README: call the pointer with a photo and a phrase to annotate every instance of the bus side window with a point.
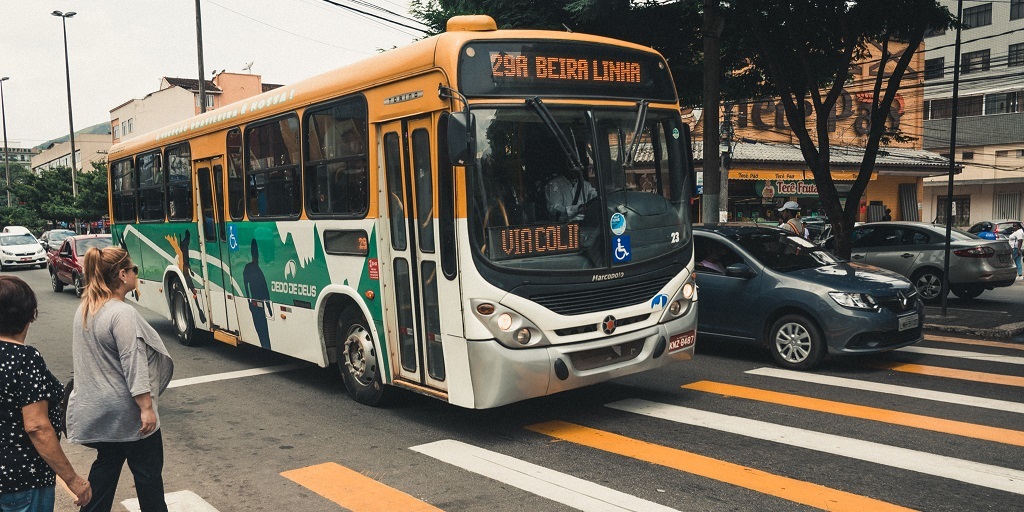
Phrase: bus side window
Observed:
(445, 202)
(274, 185)
(236, 179)
(122, 179)
(336, 173)
(179, 182)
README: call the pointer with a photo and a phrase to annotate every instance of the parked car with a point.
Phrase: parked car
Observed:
(917, 250)
(16, 230)
(53, 238)
(20, 250)
(66, 262)
(782, 292)
(1000, 228)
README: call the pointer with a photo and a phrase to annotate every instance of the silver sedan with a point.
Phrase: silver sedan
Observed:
(917, 250)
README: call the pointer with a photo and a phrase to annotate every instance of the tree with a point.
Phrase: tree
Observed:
(803, 49)
(92, 193)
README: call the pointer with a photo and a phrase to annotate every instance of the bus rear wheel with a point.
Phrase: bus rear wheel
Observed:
(181, 316)
(357, 361)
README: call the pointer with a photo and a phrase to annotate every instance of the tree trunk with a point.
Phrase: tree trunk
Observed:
(714, 23)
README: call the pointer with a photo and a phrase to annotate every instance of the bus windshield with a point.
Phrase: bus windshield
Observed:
(557, 191)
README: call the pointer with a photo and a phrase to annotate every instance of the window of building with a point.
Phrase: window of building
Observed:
(971, 106)
(977, 16)
(1015, 55)
(967, 155)
(209, 100)
(972, 62)
(1003, 153)
(942, 109)
(236, 176)
(179, 182)
(934, 68)
(935, 32)
(272, 168)
(151, 187)
(117, 131)
(122, 183)
(1001, 103)
(1007, 205)
(337, 180)
(961, 210)
(1016, 9)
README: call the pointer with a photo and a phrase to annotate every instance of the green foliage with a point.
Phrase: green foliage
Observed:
(47, 199)
(92, 193)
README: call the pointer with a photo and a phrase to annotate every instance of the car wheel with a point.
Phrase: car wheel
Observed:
(181, 316)
(796, 342)
(55, 282)
(357, 361)
(928, 283)
(967, 292)
(79, 283)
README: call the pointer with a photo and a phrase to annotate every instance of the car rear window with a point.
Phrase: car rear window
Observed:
(89, 243)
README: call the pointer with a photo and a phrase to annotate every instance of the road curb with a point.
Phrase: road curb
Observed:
(998, 332)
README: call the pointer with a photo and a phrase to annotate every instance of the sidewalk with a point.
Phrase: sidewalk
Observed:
(985, 317)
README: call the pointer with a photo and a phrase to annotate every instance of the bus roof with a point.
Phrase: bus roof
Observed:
(440, 51)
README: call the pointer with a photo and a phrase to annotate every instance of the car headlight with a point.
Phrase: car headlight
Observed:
(8, 253)
(854, 300)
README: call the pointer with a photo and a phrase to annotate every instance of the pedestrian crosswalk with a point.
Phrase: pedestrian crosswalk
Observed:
(792, 418)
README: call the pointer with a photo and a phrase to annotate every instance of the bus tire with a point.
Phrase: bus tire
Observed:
(357, 360)
(181, 317)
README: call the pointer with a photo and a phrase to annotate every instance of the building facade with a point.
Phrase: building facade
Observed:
(17, 156)
(178, 99)
(990, 118)
(89, 148)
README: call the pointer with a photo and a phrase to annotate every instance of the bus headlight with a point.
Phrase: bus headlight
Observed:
(676, 307)
(507, 326)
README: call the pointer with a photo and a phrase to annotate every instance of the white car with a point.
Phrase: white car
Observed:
(20, 250)
(16, 230)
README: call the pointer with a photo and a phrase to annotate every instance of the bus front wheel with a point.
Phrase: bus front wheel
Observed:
(357, 361)
(181, 316)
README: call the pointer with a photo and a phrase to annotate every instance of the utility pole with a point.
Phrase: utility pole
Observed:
(726, 134)
(7, 157)
(714, 25)
(71, 118)
(199, 45)
(952, 152)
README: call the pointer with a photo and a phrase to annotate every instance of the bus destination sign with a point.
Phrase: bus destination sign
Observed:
(546, 67)
(508, 242)
(563, 69)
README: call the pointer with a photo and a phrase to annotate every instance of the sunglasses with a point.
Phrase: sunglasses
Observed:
(134, 268)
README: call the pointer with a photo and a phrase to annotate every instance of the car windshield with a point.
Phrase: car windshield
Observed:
(784, 253)
(18, 240)
(88, 243)
(58, 236)
(538, 203)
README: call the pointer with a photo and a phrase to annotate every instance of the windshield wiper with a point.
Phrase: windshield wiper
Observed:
(545, 115)
(634, 146)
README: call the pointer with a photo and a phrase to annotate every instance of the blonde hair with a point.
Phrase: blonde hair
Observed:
(101, 267)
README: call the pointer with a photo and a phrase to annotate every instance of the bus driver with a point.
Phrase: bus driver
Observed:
(563, 202)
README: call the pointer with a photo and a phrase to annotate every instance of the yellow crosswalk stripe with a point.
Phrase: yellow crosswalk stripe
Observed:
(959, 428)
(951, 373)
(797, 491)
(354, 490)
(980, 343)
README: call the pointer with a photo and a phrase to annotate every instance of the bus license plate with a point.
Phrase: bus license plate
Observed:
(908, 322)
(681, 341)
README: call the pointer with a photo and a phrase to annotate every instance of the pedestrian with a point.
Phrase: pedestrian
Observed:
(790, 221)
(1016, 239)
(121, 368)
(888, 215)
(30, 397)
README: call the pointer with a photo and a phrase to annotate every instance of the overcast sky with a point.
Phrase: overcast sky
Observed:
(119, 50)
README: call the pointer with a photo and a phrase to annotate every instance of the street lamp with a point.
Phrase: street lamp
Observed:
(71, 123)
(7, 158)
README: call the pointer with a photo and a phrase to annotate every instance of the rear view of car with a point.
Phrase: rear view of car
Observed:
(917, 251)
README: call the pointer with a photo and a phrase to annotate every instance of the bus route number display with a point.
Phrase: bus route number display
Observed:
(511, 65)
(509, 242)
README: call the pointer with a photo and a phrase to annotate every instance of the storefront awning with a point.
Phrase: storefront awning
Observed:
(789, 175)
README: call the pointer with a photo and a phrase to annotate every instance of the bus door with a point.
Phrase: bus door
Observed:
(413, 316)
(219, 290)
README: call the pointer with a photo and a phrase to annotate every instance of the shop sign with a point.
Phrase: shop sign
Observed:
(786, 188)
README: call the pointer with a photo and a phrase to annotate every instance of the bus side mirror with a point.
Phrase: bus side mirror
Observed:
(461, 142)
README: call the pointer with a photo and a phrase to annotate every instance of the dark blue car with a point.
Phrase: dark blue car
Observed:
(765, 286)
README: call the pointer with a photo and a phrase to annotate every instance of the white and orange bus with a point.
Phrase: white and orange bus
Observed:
(483, 216)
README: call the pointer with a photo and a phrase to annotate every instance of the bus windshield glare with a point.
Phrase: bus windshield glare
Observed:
(533, 207)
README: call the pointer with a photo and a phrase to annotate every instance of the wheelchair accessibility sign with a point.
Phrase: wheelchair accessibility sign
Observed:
(621, 250)
(232, 238)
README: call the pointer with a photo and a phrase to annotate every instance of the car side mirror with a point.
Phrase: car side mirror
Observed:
(461, 141)
(741, 270)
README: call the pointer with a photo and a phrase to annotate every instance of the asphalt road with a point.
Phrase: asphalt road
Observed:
(945, 435)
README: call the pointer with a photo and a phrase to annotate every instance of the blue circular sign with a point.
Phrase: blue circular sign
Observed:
(618, 223)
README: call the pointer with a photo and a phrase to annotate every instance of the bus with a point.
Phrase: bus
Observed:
(484, 217)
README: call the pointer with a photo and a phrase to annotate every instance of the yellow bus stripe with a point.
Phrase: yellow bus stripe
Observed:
(353, 490)
(797, 491)
(951, 373)
(980, 343)
(959, 428)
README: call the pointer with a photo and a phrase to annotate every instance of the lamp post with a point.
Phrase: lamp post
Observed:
(71, 122)
(7, 158)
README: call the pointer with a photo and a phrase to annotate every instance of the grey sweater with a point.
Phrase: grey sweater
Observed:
(118, 356)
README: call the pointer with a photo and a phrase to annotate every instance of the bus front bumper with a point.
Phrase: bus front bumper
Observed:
(502, 375)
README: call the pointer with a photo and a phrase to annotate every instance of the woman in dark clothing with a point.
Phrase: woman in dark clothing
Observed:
(30, 396)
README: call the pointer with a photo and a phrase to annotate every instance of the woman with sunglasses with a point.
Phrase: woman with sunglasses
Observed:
(121, 368)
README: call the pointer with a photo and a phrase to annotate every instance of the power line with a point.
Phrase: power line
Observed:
(382, 18)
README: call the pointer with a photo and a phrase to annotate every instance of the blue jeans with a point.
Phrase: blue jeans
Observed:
(39, 499)
(1017, 260)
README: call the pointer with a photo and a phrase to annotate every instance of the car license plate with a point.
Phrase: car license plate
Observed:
(909, 322)
(681, 341)
(26, 259)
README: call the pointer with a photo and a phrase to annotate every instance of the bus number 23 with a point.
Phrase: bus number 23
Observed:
(675, 237)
